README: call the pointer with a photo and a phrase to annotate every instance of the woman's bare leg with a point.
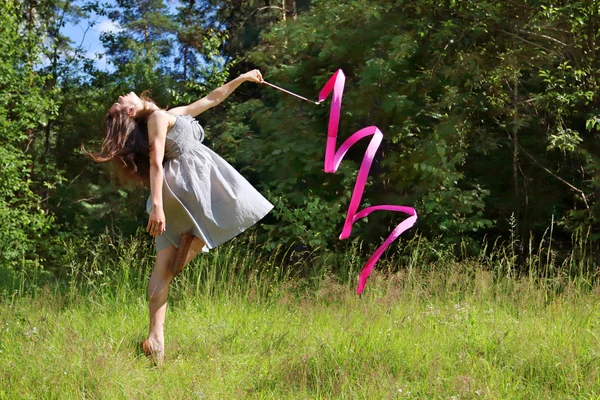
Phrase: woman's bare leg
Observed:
(197, 245)
(158, 289)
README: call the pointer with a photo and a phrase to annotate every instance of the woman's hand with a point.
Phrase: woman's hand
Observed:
(156, 222)
(253, 76)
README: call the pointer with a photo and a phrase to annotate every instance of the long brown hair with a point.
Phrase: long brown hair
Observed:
(126, 144)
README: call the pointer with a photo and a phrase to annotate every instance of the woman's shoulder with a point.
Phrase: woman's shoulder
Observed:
(160, 117)
(161, 114)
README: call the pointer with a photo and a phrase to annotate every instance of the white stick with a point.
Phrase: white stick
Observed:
(293, 94)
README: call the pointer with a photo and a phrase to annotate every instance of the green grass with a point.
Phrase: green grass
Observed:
(399, 340)
(448, 331)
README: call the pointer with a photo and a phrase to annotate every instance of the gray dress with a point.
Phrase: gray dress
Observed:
(202, 193)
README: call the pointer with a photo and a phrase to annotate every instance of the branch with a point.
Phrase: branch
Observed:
(583, 195)
(260, 9)
(524, 40)
(86, 199)
(90, 24)
(545, 37)
(69, 185)
(557, 30)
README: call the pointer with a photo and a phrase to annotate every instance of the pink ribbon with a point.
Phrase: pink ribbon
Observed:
(332, 162)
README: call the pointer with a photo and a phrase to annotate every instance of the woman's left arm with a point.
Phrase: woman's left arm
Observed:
(218, 95)
(158, 124)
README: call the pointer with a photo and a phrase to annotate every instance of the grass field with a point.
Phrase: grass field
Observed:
(458, 332)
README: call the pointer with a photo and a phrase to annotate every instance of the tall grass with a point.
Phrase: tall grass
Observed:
(117, 266)
(243, 323)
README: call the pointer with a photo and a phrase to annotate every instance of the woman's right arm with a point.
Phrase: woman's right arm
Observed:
(218, 95)
(158, 124)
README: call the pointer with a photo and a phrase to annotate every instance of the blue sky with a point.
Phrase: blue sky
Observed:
(88, 36)
(86, 33)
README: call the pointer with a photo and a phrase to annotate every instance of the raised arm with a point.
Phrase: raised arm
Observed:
(158, 124)
(218, 95)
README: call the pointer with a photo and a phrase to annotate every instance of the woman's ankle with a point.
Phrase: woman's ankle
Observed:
(157, 340)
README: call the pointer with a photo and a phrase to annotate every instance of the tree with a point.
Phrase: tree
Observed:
(24, 109)
(146, 27)
(483, 106)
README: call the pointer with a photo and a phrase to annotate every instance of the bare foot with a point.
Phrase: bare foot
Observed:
(154, 350)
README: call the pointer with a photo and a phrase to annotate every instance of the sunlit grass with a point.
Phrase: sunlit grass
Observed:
(237, 329)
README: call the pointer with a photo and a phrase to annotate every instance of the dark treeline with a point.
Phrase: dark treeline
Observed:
(490, 112)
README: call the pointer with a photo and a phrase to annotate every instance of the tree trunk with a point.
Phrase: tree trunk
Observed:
(515, 140)
(31, 12)
(515, 169)
(55, 32)
(293, 10)
(185, 57)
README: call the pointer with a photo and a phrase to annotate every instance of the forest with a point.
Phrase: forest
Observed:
(489, 111)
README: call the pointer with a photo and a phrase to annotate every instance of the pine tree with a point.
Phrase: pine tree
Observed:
(146, 35)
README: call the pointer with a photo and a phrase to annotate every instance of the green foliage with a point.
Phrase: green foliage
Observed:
(489, 112)
(474, 100)
(24, 107)
(310, 223)
(425, 148)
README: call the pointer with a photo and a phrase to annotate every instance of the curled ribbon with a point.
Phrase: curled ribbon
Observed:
(333, 160)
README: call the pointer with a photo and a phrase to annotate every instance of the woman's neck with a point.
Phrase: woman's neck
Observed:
(145, 105)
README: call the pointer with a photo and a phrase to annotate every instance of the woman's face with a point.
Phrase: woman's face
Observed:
(127, 102)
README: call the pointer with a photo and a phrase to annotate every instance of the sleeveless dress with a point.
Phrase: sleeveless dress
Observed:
(202, 193)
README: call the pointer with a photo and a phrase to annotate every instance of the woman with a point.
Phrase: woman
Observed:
(197, 201)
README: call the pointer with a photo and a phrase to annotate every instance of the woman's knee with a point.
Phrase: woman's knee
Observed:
(164, 260)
